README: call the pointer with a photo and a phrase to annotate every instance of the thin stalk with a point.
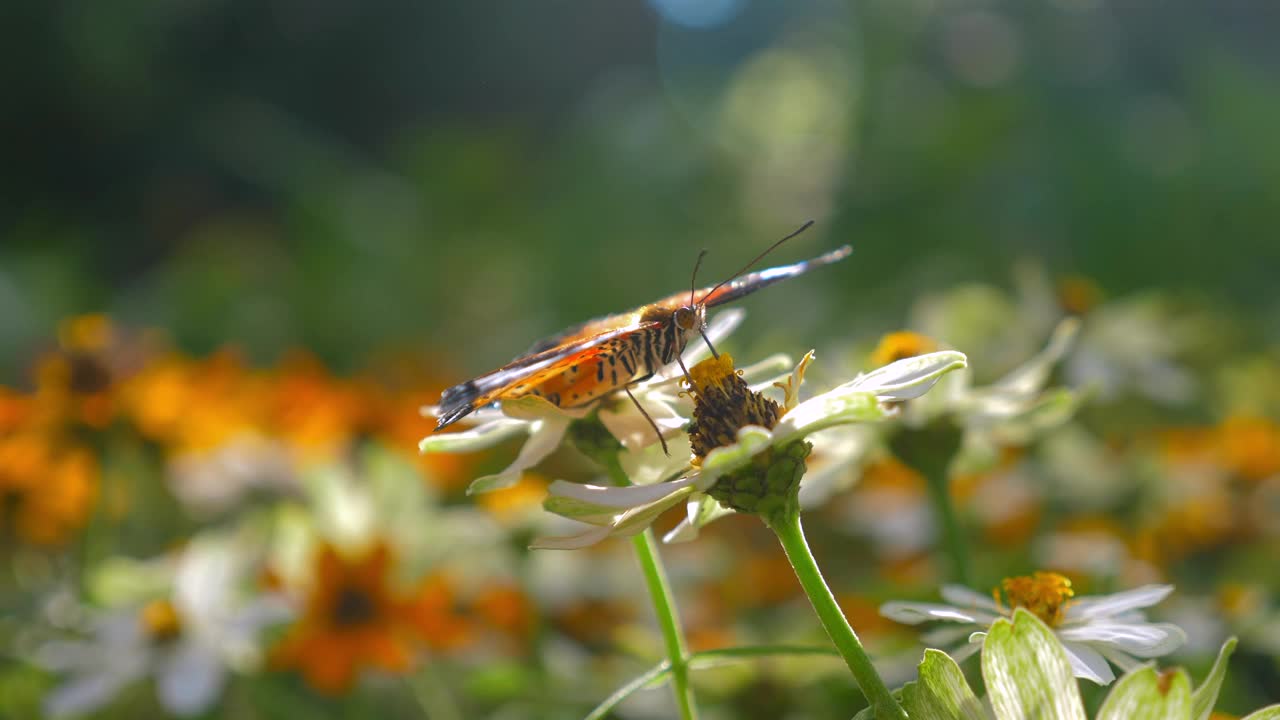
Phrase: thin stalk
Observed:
(787, 527)
(664, 605)
(953, 539)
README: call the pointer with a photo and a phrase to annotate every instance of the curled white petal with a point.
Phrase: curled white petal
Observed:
(1087, 608)
(911, 613)
(619, 498)
(752, 440)
(911, 377)
(544, 438)
(477, 438)
(1146, 640)
(572, 542)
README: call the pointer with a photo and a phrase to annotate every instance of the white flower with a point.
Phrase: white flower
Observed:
(1094, 630)
(628, 510)
(545, 424)
(187, 640)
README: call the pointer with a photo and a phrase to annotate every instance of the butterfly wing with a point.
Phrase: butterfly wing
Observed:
(459, 400)
(749, 283)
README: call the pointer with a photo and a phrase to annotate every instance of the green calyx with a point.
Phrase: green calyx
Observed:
(769, 486)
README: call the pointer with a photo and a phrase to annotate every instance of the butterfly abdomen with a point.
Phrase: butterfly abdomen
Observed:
(614, 365)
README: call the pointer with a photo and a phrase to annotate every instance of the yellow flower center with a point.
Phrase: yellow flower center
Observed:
(1046, 594)
(900, 346)
(1078, 294)
(724, 404)
(160, 620)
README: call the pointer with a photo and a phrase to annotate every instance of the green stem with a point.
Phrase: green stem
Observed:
(655, 577)
(787, 527)
(664, 606)
(952, 536)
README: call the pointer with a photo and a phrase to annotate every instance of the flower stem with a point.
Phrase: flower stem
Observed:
(790, 533)
(952, 536)
(655, 577)
(664, 605)
(930, 450)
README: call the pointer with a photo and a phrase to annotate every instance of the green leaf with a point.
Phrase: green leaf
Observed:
(1145, 694)
(941, 693)
(1027, 672)
(1270, 712)
(1206, 696)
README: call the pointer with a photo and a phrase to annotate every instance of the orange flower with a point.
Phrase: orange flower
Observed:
(901, 345)
(1250, 446)
(317, 414)
(355, 618)
(46, 493)
(1077, 294)
(78, 380)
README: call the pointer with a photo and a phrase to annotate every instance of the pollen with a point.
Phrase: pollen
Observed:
(1046, 594)
(723, 404)
(900, 346)
(161, 621)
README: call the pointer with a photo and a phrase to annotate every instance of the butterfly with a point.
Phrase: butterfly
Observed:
(601, 356)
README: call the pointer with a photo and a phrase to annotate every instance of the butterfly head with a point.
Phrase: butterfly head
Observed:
(690, 318)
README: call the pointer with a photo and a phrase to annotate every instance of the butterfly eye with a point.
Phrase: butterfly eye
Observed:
(685, 318)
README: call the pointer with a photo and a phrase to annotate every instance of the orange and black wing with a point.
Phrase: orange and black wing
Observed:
(460, 400)
(751, 282)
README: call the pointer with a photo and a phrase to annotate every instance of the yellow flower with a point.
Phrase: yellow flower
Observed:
(1045, 594)
(355, 618)
(46, 492)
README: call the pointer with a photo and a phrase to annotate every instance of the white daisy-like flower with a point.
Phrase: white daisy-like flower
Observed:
(622, 511)
(188, 640)
(1096, 631)
(545, 424)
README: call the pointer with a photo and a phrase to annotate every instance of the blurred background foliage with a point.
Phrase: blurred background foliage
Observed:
(464, 176)
(377, 199)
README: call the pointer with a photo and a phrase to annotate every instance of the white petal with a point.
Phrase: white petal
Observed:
(572, 542)
(1146, 640)
(191, 679)
(945, 636)
(84, 693)
(910, 377)
(1031, 376)
(841, 406)
(531, 408)
(633, 430)
(619, 498)
(1088, 664)
(650, 465)
(911, 613)
(477, 438)
(1120, 659)
(969, 649)
(1104, 605)
(700, 512)
(962, 596)
(545, 438)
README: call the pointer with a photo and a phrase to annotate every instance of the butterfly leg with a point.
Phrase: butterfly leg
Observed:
(652, 424)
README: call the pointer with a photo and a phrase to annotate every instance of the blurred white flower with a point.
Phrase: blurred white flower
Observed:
(628, 510)
(1094, 630)
(187, 640)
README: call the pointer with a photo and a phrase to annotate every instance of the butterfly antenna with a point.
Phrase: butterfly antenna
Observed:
(693, 282)
(758, 258)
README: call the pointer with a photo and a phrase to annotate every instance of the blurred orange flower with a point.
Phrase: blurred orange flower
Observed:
(317, 414)
(1250, 446)
(46, 492)
(354, 617)
(899, 346)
